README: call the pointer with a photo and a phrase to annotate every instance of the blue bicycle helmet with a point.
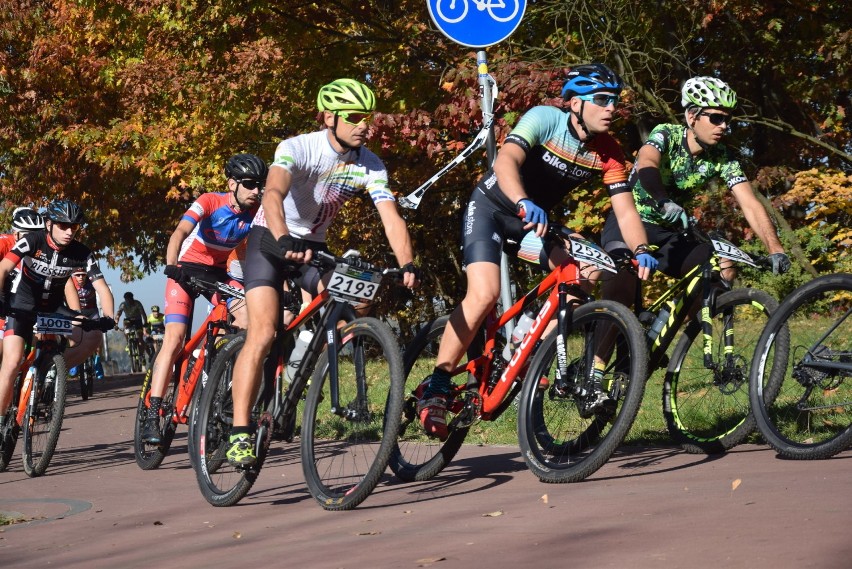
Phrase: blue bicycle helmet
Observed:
(591, 78)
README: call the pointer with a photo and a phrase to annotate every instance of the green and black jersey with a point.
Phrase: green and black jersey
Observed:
(683, 174)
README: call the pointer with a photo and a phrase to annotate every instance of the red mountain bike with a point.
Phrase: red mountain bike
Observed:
(562, 439)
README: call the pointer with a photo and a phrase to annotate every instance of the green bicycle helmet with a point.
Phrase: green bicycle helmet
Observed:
(346, 95)
(707, 92)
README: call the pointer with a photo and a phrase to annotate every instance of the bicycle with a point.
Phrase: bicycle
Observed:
(562, 438)
(193, 362)
(38, 400)
(804, 412)
(135, 348)
(350, 377)
(492, 6)
(86, 378)
(705, 389)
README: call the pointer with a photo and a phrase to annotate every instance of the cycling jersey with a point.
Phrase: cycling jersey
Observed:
(40, 284)
(683, 173)
(218, 228)
(88, 298)
(156, 324)
(556, 162)
(322, 181)
(133, 313)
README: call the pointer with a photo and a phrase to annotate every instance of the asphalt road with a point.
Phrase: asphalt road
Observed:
(648, 507)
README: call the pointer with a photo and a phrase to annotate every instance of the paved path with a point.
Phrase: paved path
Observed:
(652, 508)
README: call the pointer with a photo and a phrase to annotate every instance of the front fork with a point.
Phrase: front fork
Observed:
(707, 307)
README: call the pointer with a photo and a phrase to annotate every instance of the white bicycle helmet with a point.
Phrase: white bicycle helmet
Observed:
(26, 219)
(707, 92)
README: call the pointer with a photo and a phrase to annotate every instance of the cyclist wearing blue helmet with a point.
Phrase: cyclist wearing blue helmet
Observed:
(550, 152)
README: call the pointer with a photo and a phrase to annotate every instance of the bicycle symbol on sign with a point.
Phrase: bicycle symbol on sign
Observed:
(457, 10)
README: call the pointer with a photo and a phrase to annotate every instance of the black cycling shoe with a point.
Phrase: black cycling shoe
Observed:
(151, 431)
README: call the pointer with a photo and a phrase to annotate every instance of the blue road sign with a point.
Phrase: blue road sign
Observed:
(477, 23)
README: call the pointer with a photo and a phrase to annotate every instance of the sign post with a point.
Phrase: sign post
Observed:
(479, 24)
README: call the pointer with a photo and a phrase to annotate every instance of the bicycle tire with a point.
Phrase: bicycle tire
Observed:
(707, 411)
(84, 379)
(824, 427)
(43, 419)
(559, 444)
(150, 456)
(344, 457)
(220, 483)
(415, 457)
(195, 401)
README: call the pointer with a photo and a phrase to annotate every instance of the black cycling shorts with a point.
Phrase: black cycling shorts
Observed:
(265, 267)
(488, 229)
(677, 252)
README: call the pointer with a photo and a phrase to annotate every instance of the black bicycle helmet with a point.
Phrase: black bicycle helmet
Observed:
(591, 78)
(26, 219)
(246, 166)
(64, 211)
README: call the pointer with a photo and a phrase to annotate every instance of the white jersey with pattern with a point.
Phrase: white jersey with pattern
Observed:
(322, 181)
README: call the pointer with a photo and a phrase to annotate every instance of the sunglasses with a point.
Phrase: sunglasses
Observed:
(250, 184)
(717, 119)
(354, 117)
(600, 99)
(66, 226)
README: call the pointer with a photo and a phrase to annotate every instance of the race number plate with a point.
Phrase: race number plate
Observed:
(53, 324)
(588, 252)
(728, 250)
(354, 285)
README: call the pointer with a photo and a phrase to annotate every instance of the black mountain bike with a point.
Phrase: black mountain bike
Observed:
(805, 412)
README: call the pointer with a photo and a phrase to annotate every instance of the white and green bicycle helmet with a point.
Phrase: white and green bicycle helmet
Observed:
(346, 95)
(707, 92)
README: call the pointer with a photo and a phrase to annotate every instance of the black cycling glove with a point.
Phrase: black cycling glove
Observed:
(412, 268)
(288, 243)
(174, 272)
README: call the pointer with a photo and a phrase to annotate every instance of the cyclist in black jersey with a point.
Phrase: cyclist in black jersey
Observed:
(547, 154)
(82, 294)
(47, 258)
(674, 164)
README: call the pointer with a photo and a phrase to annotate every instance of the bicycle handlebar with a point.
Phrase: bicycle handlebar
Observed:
(226, 290)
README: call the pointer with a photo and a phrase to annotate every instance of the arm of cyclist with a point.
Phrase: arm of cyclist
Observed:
(507, 168)
(400, 241)
(179, 235)
(278, 183)
(648, 171)
(758, 219)
(72, 299)
(634, 233)
(6, 266)
(105, 295)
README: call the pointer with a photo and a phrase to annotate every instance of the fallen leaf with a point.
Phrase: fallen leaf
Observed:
(369, 533)
(493, 514)
(406, 511)
(237, 535)
(428, 560)
(544, 498)
(735, 484)
(158, 523)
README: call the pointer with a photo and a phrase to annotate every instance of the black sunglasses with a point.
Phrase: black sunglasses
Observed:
(250, 184)
(718, 119)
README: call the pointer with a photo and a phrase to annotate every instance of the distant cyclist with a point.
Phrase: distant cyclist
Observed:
(156, 328)
(47, 258)
(82, 293)
(199, 247)
(134, 320)
(311, 177)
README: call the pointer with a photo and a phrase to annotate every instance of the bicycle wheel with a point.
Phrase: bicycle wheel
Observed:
(195, 402)
(149, 456)
(806, 413)
(344, 454)
(416, 457)
(84, 379)
(220, 483)
(560, 440)
(43, 419)
(707, 410)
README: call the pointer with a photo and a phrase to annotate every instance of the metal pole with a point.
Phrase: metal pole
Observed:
(485, 84)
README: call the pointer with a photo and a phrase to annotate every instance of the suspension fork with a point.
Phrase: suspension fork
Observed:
(332, 340)
(564, 322)
(707, 302)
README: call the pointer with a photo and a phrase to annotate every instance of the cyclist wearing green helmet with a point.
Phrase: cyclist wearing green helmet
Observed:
(311, 177)
(674, 164)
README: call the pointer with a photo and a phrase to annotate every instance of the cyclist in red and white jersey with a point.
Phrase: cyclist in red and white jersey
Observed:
(82, 294)
(311, 177)
(199, 247)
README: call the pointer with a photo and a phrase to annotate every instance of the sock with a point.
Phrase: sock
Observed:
(598, 376)
(154, 409)
(240, 431)
(441, 383)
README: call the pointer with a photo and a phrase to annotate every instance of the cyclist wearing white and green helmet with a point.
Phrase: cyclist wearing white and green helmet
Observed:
(311, 177)
(676, 163)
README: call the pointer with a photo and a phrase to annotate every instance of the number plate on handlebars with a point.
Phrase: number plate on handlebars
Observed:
(53, 324)
(728, 250)
(588, 252)
(354, 285)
